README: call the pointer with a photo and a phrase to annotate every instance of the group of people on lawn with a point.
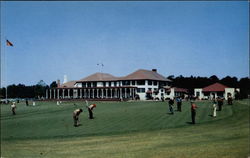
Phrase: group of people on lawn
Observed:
(216, 102)
(76, 112)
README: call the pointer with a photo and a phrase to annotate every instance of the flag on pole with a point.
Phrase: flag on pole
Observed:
(9, 43)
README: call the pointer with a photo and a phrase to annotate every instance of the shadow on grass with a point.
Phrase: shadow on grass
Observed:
(190, 123)
(169, 113)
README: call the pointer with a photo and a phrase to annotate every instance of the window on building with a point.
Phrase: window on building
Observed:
(197, 94)
(115, 84)
(155, 83)
(161, 84)
(133, 82)
(141, 82)
(125, 83)
(140, 90)
(149, 82)
(83, 84)
(88, 84)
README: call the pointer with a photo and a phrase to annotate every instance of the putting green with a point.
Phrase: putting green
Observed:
(124, 129)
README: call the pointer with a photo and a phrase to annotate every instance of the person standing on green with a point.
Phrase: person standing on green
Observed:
(179, 103)
(214, 108)
(13, 108)
(171, 104)
(193, 111)
(220, 103)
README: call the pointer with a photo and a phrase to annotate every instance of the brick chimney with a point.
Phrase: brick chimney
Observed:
(154, 70)
(58, 83)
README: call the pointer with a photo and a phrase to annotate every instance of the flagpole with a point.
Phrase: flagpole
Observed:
(6, 80)
(4, 73)
(8, 43)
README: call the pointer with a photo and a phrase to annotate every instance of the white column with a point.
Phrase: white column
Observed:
(63, 93)
(85, 93)
(93, 93)
(102, 93)
(116, 93)
(130, 89)
(68, 93)
(46, 93)
(97, 93)
(125, 94)
(80, 93)
(50, 94)
(121, 93)
(76, 93)
(89, 93)
(58, 95)
(133, 93)
(54, 93)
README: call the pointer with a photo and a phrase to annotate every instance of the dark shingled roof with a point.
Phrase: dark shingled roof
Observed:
(99, 77)
(137, 75)
(144, 74)
(216, 87)
(69, 84)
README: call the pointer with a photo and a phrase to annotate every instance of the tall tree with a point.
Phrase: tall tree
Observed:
(214, 78)
(53, 84)
(230, 81)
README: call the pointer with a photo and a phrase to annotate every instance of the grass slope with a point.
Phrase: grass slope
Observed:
(126, 129)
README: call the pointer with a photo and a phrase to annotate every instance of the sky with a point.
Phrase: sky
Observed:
(53, 39)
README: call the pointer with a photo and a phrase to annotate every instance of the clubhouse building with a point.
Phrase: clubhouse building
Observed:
(215, 90)
(141, 84)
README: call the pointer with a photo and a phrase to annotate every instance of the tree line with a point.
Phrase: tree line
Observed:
(39, 90)
(21, 91)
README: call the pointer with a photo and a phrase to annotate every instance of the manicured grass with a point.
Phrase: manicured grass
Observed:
(124, 129)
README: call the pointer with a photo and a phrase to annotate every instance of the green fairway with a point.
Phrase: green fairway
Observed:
(124, 129)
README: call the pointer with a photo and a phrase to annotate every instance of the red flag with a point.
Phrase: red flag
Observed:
(9, 43)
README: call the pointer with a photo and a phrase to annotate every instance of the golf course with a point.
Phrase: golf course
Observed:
(133, 129)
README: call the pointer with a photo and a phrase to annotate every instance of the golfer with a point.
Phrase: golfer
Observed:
(171, 104)
(220, 103)
(13, 108)
(230, 100)
(193, 111)
(179, 103)
(214, 108)
(90, 109)
(76, 114)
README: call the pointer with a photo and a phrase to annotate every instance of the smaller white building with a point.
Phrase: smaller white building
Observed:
(215, 90)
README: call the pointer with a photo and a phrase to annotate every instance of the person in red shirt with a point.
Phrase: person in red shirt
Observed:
(90, 109)
(193, 111)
